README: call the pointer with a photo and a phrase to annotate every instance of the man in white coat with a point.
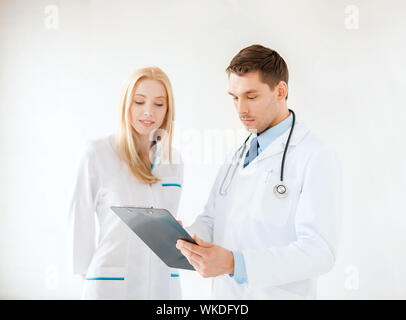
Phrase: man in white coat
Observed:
(255, 243)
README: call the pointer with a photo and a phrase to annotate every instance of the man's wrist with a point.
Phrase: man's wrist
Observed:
(231, 268)
(239, 272)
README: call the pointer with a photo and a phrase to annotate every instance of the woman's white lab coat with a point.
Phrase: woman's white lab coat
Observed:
(117, 264)
(286, 243)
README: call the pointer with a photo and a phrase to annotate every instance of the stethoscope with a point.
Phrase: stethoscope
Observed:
(280, 190)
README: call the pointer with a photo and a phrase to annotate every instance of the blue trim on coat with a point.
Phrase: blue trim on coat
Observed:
(171, 185)
(105, 278)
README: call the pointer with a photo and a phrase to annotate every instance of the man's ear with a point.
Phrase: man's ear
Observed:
(282, 90)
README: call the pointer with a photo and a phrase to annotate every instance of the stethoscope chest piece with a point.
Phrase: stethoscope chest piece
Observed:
(280, 191)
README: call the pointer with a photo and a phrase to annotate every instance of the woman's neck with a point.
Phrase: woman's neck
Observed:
(145, 147)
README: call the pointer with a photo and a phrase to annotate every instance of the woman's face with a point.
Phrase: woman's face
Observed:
(149, 106)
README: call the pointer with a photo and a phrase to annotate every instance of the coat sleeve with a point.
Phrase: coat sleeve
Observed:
(317, 221)
(81, 228)
(204, 223)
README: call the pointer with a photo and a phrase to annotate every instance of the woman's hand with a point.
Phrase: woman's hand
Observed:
(180, 222)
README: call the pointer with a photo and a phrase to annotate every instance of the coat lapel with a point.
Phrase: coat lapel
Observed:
(276, 147)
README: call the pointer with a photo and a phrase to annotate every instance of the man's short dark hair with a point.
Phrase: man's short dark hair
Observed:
(268, 62)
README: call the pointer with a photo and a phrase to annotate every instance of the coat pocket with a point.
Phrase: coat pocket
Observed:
(171, 188)
(175, 286)
(105, 283)
(272, 209)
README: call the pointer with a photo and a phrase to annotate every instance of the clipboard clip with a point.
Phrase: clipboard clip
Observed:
(150, 212)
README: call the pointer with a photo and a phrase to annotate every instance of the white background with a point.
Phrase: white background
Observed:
(60, 83)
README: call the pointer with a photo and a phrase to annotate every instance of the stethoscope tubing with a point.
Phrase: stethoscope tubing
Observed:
(287, 143)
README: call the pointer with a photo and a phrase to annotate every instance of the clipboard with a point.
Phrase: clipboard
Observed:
(159, 230)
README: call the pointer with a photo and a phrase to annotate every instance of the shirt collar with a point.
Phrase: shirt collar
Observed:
(270, 135)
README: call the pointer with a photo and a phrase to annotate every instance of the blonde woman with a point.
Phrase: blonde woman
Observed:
(136, 167)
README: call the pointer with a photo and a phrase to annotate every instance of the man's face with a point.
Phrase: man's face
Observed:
(258, 107)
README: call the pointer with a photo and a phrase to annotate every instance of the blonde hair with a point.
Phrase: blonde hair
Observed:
(127, 138)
